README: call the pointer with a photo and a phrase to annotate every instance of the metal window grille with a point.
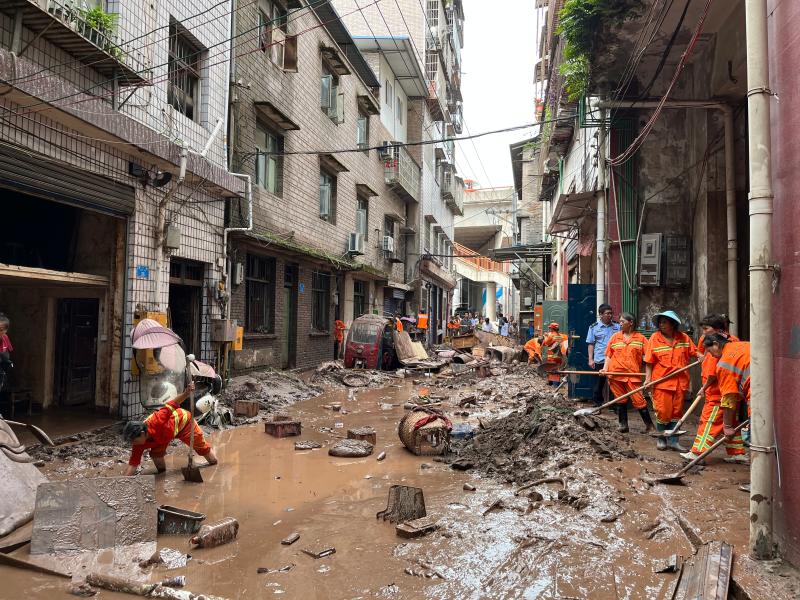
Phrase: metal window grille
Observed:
(183, 87)
(327, 197)
(321, 300)
(359, 298)
(260, 299)
(269, 162)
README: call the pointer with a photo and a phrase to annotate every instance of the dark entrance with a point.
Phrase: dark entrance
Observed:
(289, 333)
(581, 313)
(185, 302)
(76, 353)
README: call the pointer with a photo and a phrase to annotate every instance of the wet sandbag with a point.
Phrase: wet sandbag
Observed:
(351, 449)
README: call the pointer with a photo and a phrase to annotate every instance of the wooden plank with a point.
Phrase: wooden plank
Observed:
(707, 575)
(17, 272)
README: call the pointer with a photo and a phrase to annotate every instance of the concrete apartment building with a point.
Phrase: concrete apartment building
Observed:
(101, 223)
(328, 232)
(429, 34)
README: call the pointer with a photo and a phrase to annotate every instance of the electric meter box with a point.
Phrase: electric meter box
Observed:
(650, 260)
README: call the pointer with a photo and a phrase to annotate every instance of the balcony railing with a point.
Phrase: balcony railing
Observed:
(66, 25)
(401, 173)
(437, 92)
(481, 262)
(453, 192)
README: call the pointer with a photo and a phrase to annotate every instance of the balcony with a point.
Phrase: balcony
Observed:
(457, 119)
(453, 192)
(437, 92)
(401, 173)
(64, 24)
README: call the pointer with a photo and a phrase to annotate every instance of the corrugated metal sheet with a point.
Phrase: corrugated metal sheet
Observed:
(52, 180)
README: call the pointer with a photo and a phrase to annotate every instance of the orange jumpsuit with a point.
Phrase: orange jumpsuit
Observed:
(710, 426)
(626, 357)
(733, 374)
(556, 352)
(167, 423)
(665, 358)
(398, 324)
(534, 349)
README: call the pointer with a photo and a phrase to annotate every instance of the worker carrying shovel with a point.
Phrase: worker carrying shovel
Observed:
(166, 424)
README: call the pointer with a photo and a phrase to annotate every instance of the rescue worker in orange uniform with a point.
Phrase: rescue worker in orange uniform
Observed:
(534, 349)
(733, 377)
(338, 339)
(710, 426)
(156, 432)
(398, 324)
(556, 345)
(624, 355)
(667, 350)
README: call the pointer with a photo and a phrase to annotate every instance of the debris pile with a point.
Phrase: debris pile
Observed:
(271, 389)
(333, 374)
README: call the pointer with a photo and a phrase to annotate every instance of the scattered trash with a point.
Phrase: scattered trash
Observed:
(320, 553)
(351, 449)
(283, 569)
(178, 521)
(462, 464)
(82, 589)
(363, 433)
(307, 445)
(381, 456)
(282, 426)
(148, 590)
(339, 425)
(496, 505)
(416, 528)
(290, 539)
(468, 487)
(177, 581)
(667, 565)
(461, 431)
(170, 559)
(404, 504)
(216, 534)
(336, 406)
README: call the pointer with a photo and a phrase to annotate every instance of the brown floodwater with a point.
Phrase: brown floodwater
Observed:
(521, 549)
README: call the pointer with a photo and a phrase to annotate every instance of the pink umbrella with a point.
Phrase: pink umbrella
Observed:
(200, 369)
(151, 334)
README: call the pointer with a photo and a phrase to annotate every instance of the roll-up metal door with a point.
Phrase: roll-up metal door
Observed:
(38, 176)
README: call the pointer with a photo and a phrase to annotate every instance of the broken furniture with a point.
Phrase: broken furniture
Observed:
(178, 521)
(363, 433)
(416, 527)
(405, 504)
(282, 426)
(14, 398)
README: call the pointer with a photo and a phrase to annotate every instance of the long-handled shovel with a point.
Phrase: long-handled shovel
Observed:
(599, 373)
(597, 409)
(677, 477)
(676, 431)
(40, 435)
(190, 471)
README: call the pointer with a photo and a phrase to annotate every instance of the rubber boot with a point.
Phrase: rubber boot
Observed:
(648, 420)
(661, 443)
(622, 416)
(672, 441)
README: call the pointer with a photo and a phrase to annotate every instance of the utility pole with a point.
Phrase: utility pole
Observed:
(762, 271)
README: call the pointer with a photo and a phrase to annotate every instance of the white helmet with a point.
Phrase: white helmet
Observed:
(206, 403)
(161, 392)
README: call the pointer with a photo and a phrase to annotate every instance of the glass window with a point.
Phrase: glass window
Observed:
(272, 28)
(359, 298)
(364, 333)
(260, 294)
(183, 77)
(269, 160)
(389, 94)
(399, 110)
(362, 217)
(362, 131)
(321, 300)
(327, 197)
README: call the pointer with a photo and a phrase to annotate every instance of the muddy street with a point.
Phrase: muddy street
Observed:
(593, 530)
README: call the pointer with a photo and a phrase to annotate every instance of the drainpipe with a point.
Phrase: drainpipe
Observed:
(730, 211)
(762, 274)
(601, 211)
(730, 187)
(227, 230)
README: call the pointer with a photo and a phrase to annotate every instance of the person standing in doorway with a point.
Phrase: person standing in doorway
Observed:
(5, 349)
(597, 339)
(338, 339)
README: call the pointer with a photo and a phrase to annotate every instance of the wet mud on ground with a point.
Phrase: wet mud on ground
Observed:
(597, 536)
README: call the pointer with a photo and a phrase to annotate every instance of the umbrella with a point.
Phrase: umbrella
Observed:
(151, 334)
(200, 369)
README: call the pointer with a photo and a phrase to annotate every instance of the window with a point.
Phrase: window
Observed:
(362, 131)
(269, 162)
(399, 111)
(260, 298)
(327, 197)
(388, 88)
(331, 101)
(320, 307)
(362, 217)
(183, 85)
(272, 29)
(359, 298)
(388, 226)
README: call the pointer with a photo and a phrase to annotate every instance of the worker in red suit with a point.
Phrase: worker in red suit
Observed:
(157, 431)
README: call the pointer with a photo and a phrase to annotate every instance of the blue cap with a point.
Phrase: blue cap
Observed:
(670, 314)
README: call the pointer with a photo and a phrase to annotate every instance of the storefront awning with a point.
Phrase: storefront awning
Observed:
(570, 210)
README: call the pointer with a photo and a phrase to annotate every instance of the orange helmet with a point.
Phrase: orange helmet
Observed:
(553, 325)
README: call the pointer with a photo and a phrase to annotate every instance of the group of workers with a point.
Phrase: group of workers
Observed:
(618, 352)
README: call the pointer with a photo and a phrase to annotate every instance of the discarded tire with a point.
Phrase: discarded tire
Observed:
(425, 432)
(351, 449)
(355, 380)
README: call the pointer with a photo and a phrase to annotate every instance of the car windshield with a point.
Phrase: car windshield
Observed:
(364, 333)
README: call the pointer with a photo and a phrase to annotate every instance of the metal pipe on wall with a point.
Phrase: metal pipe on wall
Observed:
(762, 272)
(600, 275)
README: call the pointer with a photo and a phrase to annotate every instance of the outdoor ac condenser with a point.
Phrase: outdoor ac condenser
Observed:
(355, 243)
(388, 243)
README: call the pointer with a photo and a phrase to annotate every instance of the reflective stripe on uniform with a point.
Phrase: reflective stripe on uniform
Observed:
(179, 416)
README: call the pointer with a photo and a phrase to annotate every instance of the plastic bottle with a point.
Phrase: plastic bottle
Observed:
(216, 534)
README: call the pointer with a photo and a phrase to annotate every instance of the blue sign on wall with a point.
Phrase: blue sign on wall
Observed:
(142, 272)
(301, 288)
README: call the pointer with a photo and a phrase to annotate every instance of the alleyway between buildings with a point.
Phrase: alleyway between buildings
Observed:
(596, 529)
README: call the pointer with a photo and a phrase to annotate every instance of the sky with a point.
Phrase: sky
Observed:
(498, 61)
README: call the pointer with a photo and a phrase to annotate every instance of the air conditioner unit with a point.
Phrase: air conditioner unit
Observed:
(238, 273)
(388, 243)
(385, 151)
(355, 243)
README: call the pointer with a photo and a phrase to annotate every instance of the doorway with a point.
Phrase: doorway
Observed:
(185, 302)
(76, 354)
(289, 333)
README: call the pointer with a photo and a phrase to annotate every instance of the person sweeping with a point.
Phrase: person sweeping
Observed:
(668, 350)
(624, 355)
(157, 431)
(555, 343)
